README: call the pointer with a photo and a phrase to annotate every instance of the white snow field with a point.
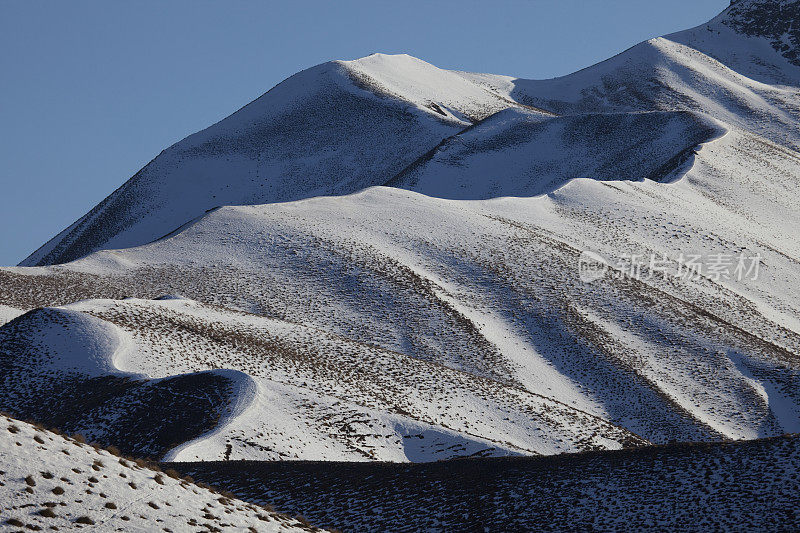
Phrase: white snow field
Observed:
(8, 314)
(379, 260)
(49, 482)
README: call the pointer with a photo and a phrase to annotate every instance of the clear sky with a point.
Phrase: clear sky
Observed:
(90, 91)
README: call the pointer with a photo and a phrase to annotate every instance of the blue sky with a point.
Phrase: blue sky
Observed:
(92, 91)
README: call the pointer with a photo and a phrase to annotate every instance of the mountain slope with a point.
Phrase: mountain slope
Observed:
(332, 129)
(342, 126)
(489, 296)
(449, 314)
(49, 482)
(770, 20)
(60, 368)
(727, 68)
(514, 153)
(717, 487)
(295, 392)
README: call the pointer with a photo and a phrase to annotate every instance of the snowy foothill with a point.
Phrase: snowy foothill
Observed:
(277, 390)
(51, 482)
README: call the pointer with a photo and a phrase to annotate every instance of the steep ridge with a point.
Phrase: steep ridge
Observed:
(332, 129)
(51, 482)
(726, 68)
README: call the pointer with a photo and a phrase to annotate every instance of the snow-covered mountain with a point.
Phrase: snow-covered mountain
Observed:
(345, 125)
(379, 259)
(728, 68)
(332, 129)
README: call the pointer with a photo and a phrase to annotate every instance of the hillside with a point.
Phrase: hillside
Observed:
(291, 391)
(359, 300)
(343, 126)
(50, 482)
(749, 486)
(332, 129)
(517, 153)
(381, 260)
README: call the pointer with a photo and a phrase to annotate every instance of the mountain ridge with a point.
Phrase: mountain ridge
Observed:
(282, 146)
(344, 95)
(448, 315)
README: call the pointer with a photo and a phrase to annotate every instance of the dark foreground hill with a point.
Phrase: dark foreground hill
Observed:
(741, 486)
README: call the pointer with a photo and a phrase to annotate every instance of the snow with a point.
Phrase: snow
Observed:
(423, 84)
(7, 313)
(40, 470)
(737, 79)
(481, 298)
(515, 153)
(73, 342)
(378, 250)
(245, 391)
(331, 129)
(333, 414)
(343, 126)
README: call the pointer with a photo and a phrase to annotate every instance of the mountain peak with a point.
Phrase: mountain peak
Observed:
(775, 20)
